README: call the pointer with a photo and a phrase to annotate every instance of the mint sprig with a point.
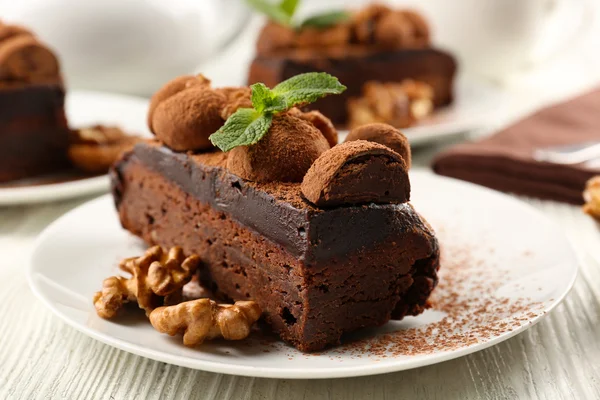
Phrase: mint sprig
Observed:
(307, 88)
(322, 21)
(284, 11)
(247, 126)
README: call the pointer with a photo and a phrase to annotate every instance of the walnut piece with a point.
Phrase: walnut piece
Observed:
(203, 319)
(157, 278)
(96, 148)
(398, 104)
(591, 195)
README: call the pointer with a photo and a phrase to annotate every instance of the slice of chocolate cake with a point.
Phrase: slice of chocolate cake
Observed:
(33, 129)
(328, 251)
(375, 44)
(360, 66)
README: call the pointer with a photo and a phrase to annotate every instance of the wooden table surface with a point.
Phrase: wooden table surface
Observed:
(41, 357)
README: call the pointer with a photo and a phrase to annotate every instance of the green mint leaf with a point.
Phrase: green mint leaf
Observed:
(265, 101)
(244, 127)
(261, 96)
(289, 7)
(325, 20)
(272, 11)
(306, 88)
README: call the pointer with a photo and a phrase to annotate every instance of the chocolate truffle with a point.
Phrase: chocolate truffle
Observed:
(383, 134)
(320, 122)
(24, 59)
(185, 120)
(171, 88)
(274, 37)
(393, 30)
(9, 31)
(365, 21)
(236, 97)
(336, 35)
(357, 172)
(284, 154)
(420, 26)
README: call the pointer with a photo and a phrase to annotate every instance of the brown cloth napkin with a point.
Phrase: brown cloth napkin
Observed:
(505, 160)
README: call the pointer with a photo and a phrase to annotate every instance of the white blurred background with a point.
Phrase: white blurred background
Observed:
(536, 48)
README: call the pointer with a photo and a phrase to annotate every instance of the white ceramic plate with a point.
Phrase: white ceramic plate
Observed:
(476, 105)
(83, 109)
(504, 266)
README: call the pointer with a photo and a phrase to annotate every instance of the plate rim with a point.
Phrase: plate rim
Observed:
(300, 373)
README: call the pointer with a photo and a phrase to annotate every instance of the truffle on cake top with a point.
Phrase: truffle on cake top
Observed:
(383, 134)
(284, 154)
(357, 172)
(185, 112)
(24, 59)
(272, 140)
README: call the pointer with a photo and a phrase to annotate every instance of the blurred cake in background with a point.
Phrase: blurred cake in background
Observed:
(34, 136)
(374, 44)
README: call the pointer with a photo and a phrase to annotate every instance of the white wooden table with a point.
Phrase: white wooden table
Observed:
(41, 357)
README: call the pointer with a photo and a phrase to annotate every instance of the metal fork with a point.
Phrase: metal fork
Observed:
(570, 154)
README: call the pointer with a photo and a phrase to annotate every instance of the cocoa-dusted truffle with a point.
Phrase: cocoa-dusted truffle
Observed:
(393, 30)
(284, 154)
(383, 134)
(185, 120)
(320, 122)
(24, 59)
(171, 88)
(357, 172)
(9, 31)
(336, 35)
(274, 37)
(237, 97)
(364, 22)
(420, 26)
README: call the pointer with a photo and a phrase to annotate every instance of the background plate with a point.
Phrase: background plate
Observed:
(504, 266)
(476, 105)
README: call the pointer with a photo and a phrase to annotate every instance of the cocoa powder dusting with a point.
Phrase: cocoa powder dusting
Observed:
(473, 311)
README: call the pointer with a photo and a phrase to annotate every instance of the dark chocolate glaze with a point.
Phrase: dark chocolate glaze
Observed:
(433, 66)
(307, 233)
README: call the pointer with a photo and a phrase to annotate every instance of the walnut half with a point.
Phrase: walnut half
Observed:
(95, 149)
(591, 195)
(203, 319)
(157, 278)
(398, 104)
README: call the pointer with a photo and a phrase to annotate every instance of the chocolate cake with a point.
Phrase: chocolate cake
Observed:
(434, 67)
(33, 129)
(336, 251)
(375, 44)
